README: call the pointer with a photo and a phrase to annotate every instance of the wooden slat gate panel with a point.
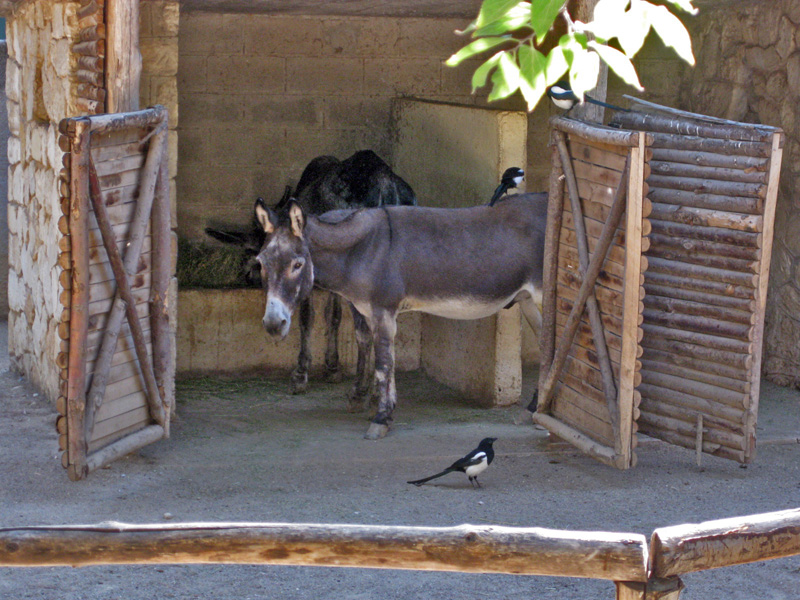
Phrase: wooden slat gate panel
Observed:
(713, 188)
(119, 367)
(592, 309)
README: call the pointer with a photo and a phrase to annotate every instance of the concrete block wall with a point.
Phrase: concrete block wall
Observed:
(454, 156)
(262, 95)
(219, 332)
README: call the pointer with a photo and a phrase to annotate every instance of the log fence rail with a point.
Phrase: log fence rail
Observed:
(640, 572)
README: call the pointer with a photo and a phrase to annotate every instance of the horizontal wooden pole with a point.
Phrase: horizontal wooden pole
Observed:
(598, 133)
(726, 542)
(465, 548)
(710, 159)
(584, 443)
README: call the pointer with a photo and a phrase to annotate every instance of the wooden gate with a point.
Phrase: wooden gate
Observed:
(592, 307)
(656, 321)
(117, 378)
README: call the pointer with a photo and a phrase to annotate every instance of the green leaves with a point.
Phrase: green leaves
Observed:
(543, 14)
(516, 30)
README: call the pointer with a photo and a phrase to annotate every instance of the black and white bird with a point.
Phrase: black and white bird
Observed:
(563, 97)
(473, 464)
(512, 177)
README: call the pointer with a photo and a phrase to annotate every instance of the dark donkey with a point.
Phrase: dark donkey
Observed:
(463, 263)
(327, 183)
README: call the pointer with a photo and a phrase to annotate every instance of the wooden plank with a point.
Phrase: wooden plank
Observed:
(630, 349)
(716, 292)
(666, 304)
(674, 169)
(78, 326)
(702, 247)
(736, 204)
(715, 437)
(610, 301)
(100, 272)
(702, 217)
(138, 417)
(120, 165)
(585, 444)
(699, 324)
(691, 271)
(596, 133)
(570, 407)
(102, 153)
(120, 406)
(702, 339)
(604, 155)
(711, 159)
(711, 234)
(731, 364)
(698, 390)
(762, 287)
(690, 442)
(113, 447)
(694, 369)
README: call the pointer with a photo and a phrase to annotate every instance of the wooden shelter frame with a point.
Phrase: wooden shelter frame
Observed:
(658, 322)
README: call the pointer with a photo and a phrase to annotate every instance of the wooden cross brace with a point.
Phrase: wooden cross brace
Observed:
(589, 269)
(124, 302)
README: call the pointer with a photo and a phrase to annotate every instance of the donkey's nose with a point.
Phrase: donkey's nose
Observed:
(277, 318)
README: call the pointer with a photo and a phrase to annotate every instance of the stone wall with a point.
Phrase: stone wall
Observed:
(40, 91)
(748, 69)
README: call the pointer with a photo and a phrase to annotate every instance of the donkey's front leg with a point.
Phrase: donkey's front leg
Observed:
(333, 318)
(359, 394)
(384, 330)
(300, 374)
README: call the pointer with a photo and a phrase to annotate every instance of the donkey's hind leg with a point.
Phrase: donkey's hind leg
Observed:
(359, 394)
(333, 318)
(299, 381)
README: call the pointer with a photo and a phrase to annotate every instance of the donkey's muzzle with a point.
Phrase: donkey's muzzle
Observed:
(277, 318)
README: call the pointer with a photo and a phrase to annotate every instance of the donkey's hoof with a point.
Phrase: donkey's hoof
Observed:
(376, 431)
(357, 399)
(334, 376)
(299, 383)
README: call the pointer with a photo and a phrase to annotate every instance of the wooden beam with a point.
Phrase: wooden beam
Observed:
(464, 548)
(123, 60)
(724, 543)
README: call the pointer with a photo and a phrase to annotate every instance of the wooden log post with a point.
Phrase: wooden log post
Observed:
(123, 60)
(79, 302)
(464, 548)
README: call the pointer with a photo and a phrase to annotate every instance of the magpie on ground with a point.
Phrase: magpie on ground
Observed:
(512, 177)
(563, 97)
(473, 464)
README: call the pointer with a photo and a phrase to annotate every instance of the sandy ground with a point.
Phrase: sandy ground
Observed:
(249, 451)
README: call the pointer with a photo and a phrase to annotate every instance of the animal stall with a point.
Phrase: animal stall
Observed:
(656, 267)
(117, 255)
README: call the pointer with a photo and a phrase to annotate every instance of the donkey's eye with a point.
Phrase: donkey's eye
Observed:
(297, 265)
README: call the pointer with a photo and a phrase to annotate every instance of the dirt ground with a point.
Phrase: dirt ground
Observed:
(246, 450)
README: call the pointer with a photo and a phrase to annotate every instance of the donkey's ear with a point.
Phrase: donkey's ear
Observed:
(265, 217)
(297, 218)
